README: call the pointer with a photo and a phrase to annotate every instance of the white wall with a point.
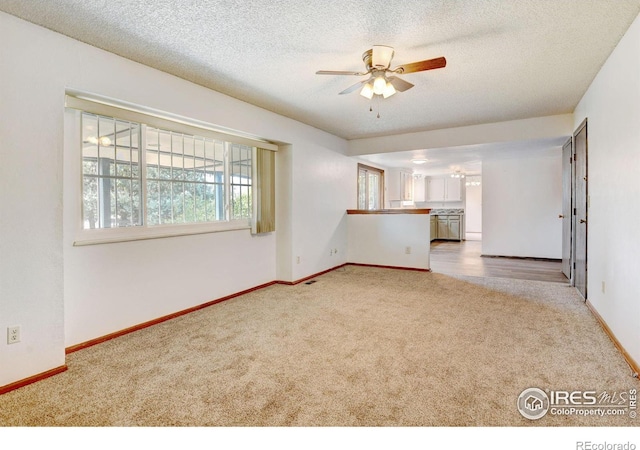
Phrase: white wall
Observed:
(521, 200)
(31, 272)
(100, 289)
(522, 130)
(612, 106)
(419, 189)
(324, 187)
(382, 239)
(473, 208)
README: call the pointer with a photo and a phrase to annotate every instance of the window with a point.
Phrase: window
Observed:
(370, 187)
(185, 178)
(111, 175)
(151, 174)
(241, 164)
(177, 178)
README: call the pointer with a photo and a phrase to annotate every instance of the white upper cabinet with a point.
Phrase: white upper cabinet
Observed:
(406, 186)
(399, 185)
(444, 189)
(435, 189)
(453, 189)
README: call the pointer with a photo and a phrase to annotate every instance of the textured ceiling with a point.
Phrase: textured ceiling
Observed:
(467, 159)
(506, 59)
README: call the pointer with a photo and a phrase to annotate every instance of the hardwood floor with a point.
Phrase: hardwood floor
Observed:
(463, 258)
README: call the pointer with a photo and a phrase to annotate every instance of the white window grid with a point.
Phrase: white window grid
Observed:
(220, 169)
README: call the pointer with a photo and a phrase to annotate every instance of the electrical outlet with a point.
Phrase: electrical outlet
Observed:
(335, 251)
(603, 287)
(407, 250)
(297, 260)
(13, 334)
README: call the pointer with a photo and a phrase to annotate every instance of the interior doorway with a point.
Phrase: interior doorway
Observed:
(567, 208)
(580, 217)
(473, 208)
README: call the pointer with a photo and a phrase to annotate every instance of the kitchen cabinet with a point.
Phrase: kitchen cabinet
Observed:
(435, 189)
(399, 186)
(433, 228)
(443, 227)
(447, 227)
(453, 227)
(406, 186)
(453, 189)
(444, 189)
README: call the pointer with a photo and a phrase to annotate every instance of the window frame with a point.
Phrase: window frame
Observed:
(84, 236)
(381, 186)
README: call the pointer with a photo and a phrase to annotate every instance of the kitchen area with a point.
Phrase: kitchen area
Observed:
(416, 215)
(454, 201)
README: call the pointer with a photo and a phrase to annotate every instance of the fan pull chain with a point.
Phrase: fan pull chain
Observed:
(377, 100)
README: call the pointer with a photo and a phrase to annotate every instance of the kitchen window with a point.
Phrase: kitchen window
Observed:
(370, 187)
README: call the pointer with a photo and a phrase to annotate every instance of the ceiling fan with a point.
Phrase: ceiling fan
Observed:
(382, 79)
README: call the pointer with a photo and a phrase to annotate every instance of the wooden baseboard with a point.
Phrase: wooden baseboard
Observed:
(529, 258)
(108, 337)
(33, 379)
(99, 340)
(632, 363)
(293, 283)
(415, 269)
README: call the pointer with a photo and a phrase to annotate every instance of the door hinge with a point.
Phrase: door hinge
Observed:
(575, 211)
(570, 160)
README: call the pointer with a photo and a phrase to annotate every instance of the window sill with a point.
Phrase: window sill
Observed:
(115, 235)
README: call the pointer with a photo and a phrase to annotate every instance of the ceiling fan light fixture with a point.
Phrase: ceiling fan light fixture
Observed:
(367, 91)
(389, 90)
(383, 81)
(379, 85)
(382, 56)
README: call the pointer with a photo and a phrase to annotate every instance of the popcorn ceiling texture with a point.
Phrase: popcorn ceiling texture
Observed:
(506, 59)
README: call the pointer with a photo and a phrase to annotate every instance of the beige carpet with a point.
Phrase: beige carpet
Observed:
(360, 347)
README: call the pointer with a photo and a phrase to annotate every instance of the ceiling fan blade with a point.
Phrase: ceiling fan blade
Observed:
(353, 87)
(339, 72)
(382, 56)
(400, 84)
(429, 64)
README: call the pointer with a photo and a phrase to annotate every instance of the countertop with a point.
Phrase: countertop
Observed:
(390, 211)
(444, 211)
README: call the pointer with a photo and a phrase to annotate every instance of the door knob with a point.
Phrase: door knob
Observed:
(583, 221)
(560, 216)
